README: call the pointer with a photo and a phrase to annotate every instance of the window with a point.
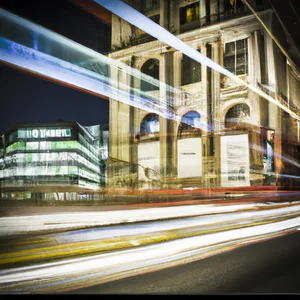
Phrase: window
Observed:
(236, 115)
(207, 7)
(262, 55)
(189, 13)
(190, 125)
(190, 70)
(150, 124)
(233, 7)
(151, 68)
(150, 4)
(236, 57)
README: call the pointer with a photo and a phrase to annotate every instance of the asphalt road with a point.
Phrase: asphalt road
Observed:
(271, 266)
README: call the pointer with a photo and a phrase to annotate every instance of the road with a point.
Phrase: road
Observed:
(271, 266)
(163, 237)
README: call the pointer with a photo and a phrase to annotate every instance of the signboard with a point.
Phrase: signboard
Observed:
(149, 160)
(235, 166)
(189, 155)
(44, 133)
(103, 152)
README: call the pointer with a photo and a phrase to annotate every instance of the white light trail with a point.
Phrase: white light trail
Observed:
(173, 224)
(19, 52)
(107, 266)
(42, 223)
(136, 18)
(23, 224)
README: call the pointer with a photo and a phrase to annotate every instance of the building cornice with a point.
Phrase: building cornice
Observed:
(238, 26)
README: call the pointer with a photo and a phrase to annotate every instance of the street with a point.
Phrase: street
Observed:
(152, 239)
(270, 266)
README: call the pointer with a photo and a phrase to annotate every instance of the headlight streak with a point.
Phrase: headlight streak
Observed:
(173, 224)
(136, 18)
(107, 265)
(23, 224)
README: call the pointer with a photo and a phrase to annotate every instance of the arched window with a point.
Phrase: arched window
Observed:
(151, 68)
(236, 115)
(190, 125)
(149, 126)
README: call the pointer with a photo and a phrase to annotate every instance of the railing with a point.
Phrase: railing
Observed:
(142, 40)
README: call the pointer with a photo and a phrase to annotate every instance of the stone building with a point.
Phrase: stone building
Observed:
(241, 138)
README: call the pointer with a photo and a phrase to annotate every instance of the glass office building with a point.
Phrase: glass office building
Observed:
(59, 160)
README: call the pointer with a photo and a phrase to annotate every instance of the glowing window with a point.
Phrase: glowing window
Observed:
(150, 124)
(189, 13)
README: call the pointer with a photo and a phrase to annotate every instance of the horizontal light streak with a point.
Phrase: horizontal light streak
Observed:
(19, 225)
(105, 267)
(23, 224)
(163, 226)
(48, 42)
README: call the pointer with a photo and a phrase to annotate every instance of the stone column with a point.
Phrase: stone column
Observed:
(119, 123)
(215, 84)
(168, 159)
(202, 12)
(275, 114)
(174, 23)
(217, 48)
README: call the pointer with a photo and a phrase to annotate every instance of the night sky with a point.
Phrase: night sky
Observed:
(28, 98)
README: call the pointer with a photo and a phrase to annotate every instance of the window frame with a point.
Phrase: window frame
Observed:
(183, 10)
(192, 78)
(246, 53)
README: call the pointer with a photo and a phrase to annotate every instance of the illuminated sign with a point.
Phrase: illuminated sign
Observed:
(44, 133)
(149, 164)
(103, 152)
(235, 161)
(189, 155)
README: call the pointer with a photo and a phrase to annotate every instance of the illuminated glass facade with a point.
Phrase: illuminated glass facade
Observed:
(62, 157)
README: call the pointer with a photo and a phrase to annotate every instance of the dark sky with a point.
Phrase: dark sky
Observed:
(28, 98)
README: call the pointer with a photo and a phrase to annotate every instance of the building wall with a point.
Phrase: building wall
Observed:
(46, 159)
(214, 95)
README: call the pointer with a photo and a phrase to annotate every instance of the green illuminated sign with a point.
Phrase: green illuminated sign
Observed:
(44, 133)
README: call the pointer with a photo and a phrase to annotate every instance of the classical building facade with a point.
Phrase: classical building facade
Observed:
(228, 135)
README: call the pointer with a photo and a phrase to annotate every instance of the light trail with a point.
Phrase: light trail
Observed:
(42, 223)
(161, 226)
(282, 157)
(25, 224)
(48, 59)
(75, 273)
(136, 18)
